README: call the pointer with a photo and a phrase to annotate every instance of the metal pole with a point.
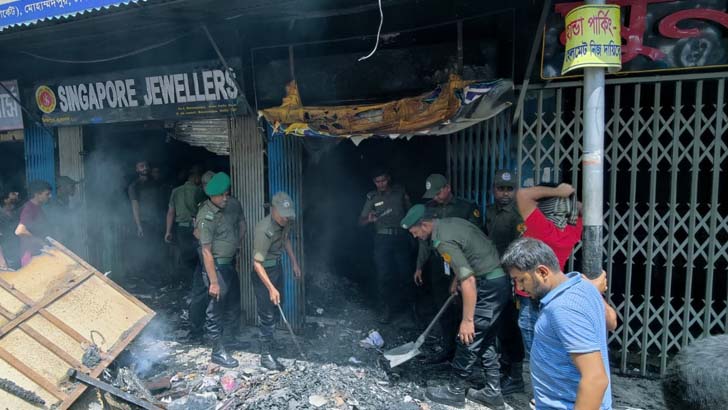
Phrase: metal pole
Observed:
(593, 168)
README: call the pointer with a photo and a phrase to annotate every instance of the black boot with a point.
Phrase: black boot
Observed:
(513, 381)
(220, 356)
(451, 394)
(489, 396)
(269, 361)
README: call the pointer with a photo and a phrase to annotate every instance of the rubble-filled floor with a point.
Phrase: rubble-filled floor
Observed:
(338, 372)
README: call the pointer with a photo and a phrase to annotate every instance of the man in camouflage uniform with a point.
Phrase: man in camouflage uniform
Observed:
(503, 225)
(271, 237)
(485, 289)
(384, 208)
(442, 204)
(219, 242)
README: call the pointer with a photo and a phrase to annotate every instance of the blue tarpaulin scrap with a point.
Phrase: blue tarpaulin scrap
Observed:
(24, 12)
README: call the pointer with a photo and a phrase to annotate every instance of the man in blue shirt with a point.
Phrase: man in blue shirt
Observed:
(569, 361)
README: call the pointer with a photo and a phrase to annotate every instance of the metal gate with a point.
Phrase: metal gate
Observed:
(285, 173)
(40, 155)
(665, 230)
(248, 180)
(476, 153)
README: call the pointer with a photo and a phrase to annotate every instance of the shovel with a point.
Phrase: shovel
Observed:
(290, 330)
(407, 351)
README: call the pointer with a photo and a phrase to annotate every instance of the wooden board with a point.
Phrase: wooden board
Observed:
(50, 310)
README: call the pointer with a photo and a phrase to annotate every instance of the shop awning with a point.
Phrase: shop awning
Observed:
(449, 108)
(24, 12)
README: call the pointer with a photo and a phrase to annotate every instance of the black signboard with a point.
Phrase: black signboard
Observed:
(11, 116)
(657, 35)
(163, 93)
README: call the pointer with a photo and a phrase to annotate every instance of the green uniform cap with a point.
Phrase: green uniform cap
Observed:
(283, 204)
(434, 184)
(503, 177)
(414, 215)
(218, 185)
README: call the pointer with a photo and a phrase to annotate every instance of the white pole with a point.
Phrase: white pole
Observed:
(593, 168)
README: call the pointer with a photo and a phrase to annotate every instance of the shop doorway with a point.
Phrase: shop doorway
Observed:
(111, 153)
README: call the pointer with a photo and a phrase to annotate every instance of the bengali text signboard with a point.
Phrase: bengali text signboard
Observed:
(186, 91)
(11, 116)
(657, 35)
(592, 38)
(15, 12)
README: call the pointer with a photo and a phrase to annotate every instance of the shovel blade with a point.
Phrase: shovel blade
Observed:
(401, 354)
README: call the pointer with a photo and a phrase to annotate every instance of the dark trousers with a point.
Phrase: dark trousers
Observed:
(511, 343)
(216, 307)
(148, 253)
(440, 288)
(267, 311)
(492, 297)
(198, 300)
(186, 257)
(392, 261)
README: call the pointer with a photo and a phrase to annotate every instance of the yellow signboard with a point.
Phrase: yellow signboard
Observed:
(593, 38)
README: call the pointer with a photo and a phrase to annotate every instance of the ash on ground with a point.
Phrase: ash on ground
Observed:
(338, 372)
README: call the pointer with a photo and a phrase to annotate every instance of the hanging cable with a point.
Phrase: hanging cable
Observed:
(379, 31)
(106, 60)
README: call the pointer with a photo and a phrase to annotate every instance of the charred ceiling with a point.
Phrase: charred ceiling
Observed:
(163, 32)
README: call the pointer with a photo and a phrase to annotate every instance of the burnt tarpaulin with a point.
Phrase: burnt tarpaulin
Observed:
(449, 108)
(24, 12)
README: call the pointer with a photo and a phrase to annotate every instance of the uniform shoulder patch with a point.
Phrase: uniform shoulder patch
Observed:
(370, 195)
(446, 256)
(209, 216)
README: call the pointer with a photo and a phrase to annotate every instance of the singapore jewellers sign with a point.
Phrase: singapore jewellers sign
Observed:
(165, 93)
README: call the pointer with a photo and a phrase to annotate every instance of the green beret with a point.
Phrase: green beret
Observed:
(414, 215)
(218, 185)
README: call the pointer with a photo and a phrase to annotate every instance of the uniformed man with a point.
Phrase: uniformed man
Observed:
(219, 242)
(181, 212)
(442, 204)
(233, 212)
(485, 290)
(503, 225)
(384, 208)
(271, 237)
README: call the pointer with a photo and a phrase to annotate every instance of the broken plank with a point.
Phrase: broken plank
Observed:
(134, 332)
(32, 375)
(40, 304)
(73, 374)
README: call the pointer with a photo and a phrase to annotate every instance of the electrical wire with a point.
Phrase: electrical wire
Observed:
(106, 60)
(379, 31)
